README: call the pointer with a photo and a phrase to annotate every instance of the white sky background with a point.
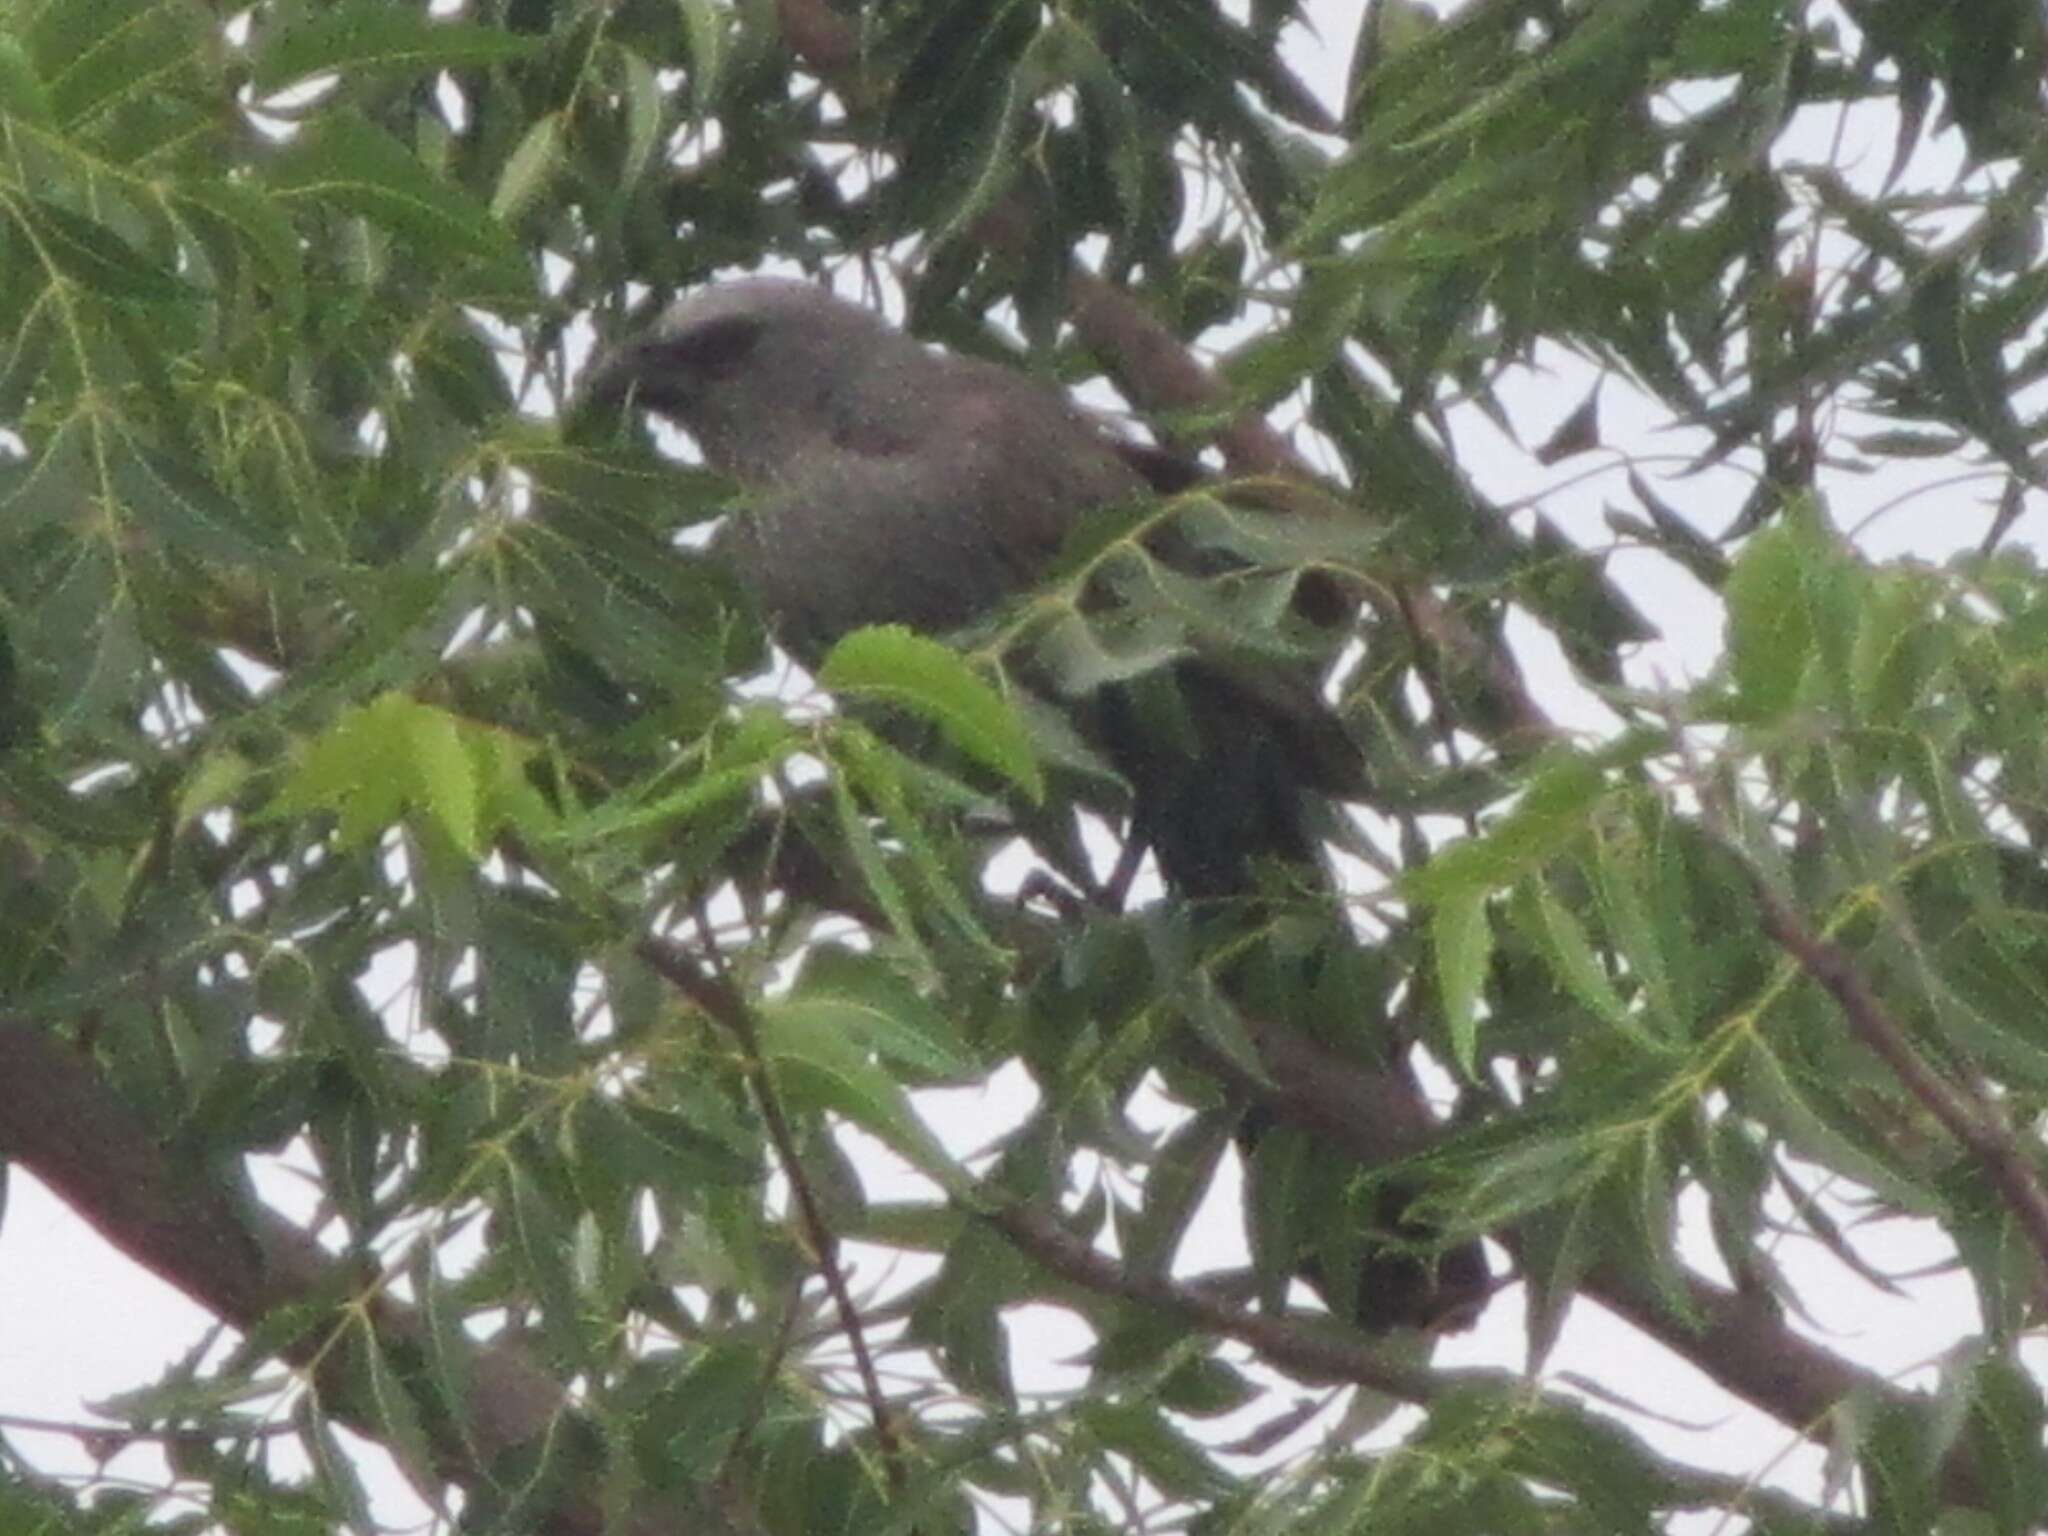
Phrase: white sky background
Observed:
(79, 1323)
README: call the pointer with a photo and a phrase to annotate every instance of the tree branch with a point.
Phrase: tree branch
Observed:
(62, 1123)
(1335, 1354)
(1962, 1112)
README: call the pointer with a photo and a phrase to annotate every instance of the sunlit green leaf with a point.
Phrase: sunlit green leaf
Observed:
(373, 35)
(931, 680)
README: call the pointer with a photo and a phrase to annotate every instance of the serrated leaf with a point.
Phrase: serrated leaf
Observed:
(1550, 814)
(347, 162)
(93, 255)
(1557, 934)
(546, 1247)
(874, 1007)
(706, 31)
(733, 769)
(96, 56)
(927, 1226)
(1770, 634)
(1889, 633)
(22, 93)
(646, 111)
(1086, 652)
(214, 781)
(1461, 937)
(377, 35)
(640, 1143)
(259, 224)
(335, 1465)
(447, 1352)
(816, 1061)
(913, 672)
(529, 170)
(377, 760)
(443, 774)
(400, 1429)
(1175, 1186)
(1179, 1466)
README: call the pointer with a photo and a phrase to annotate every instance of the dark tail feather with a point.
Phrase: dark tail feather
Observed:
(1222, 781)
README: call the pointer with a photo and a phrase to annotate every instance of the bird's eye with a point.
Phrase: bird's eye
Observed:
(715, 349)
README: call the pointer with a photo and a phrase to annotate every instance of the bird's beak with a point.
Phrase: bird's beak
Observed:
(613, 372)
(606, 385)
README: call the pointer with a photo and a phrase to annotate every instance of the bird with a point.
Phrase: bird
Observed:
(886, 482)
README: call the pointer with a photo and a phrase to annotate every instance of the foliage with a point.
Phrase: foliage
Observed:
(332, 667)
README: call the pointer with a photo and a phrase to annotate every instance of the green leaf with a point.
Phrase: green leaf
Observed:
(1887, 663)
(215, 781)
(346, 162)
(380, 759)
(530, 170)
(22, 93)
(875, 869)
(646, 115)
(399, 1427)
(1557, 934)
(915, 673)
(93, 255)
(734, 768)
(2006, 1419)
(1551, 813)
(363, 35)
(883, 776)
(1180, 1467)
(545, 1247)
(335, 1463)
(928, 1226)
(443, 774)
(1175, 1186)
(1770, 633)
(97, 56)
(873, 1006)
(259, 223)
(1461, 935)
(812, 1056)
(707, 31)
(447, 1349)
(658, 1147)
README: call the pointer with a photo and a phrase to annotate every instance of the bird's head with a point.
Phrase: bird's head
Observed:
(755, 370)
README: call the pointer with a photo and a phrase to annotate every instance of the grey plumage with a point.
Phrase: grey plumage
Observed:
(890, 484)
(886, 482)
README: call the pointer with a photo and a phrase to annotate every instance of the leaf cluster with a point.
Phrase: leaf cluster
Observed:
(360, 728)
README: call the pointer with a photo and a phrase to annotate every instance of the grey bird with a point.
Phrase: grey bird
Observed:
(890, 483)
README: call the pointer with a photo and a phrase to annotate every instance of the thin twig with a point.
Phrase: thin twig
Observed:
(724, 1006)
(1964, 1113)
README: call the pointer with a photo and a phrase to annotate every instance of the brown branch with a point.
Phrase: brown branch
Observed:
(1964, 1113)
(1161, 375)
(1317, 1354)
(64, 1125)
(1739, 1339)
(1331, 1354)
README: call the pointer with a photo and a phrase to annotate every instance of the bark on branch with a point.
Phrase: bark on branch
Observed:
(61, 1122)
